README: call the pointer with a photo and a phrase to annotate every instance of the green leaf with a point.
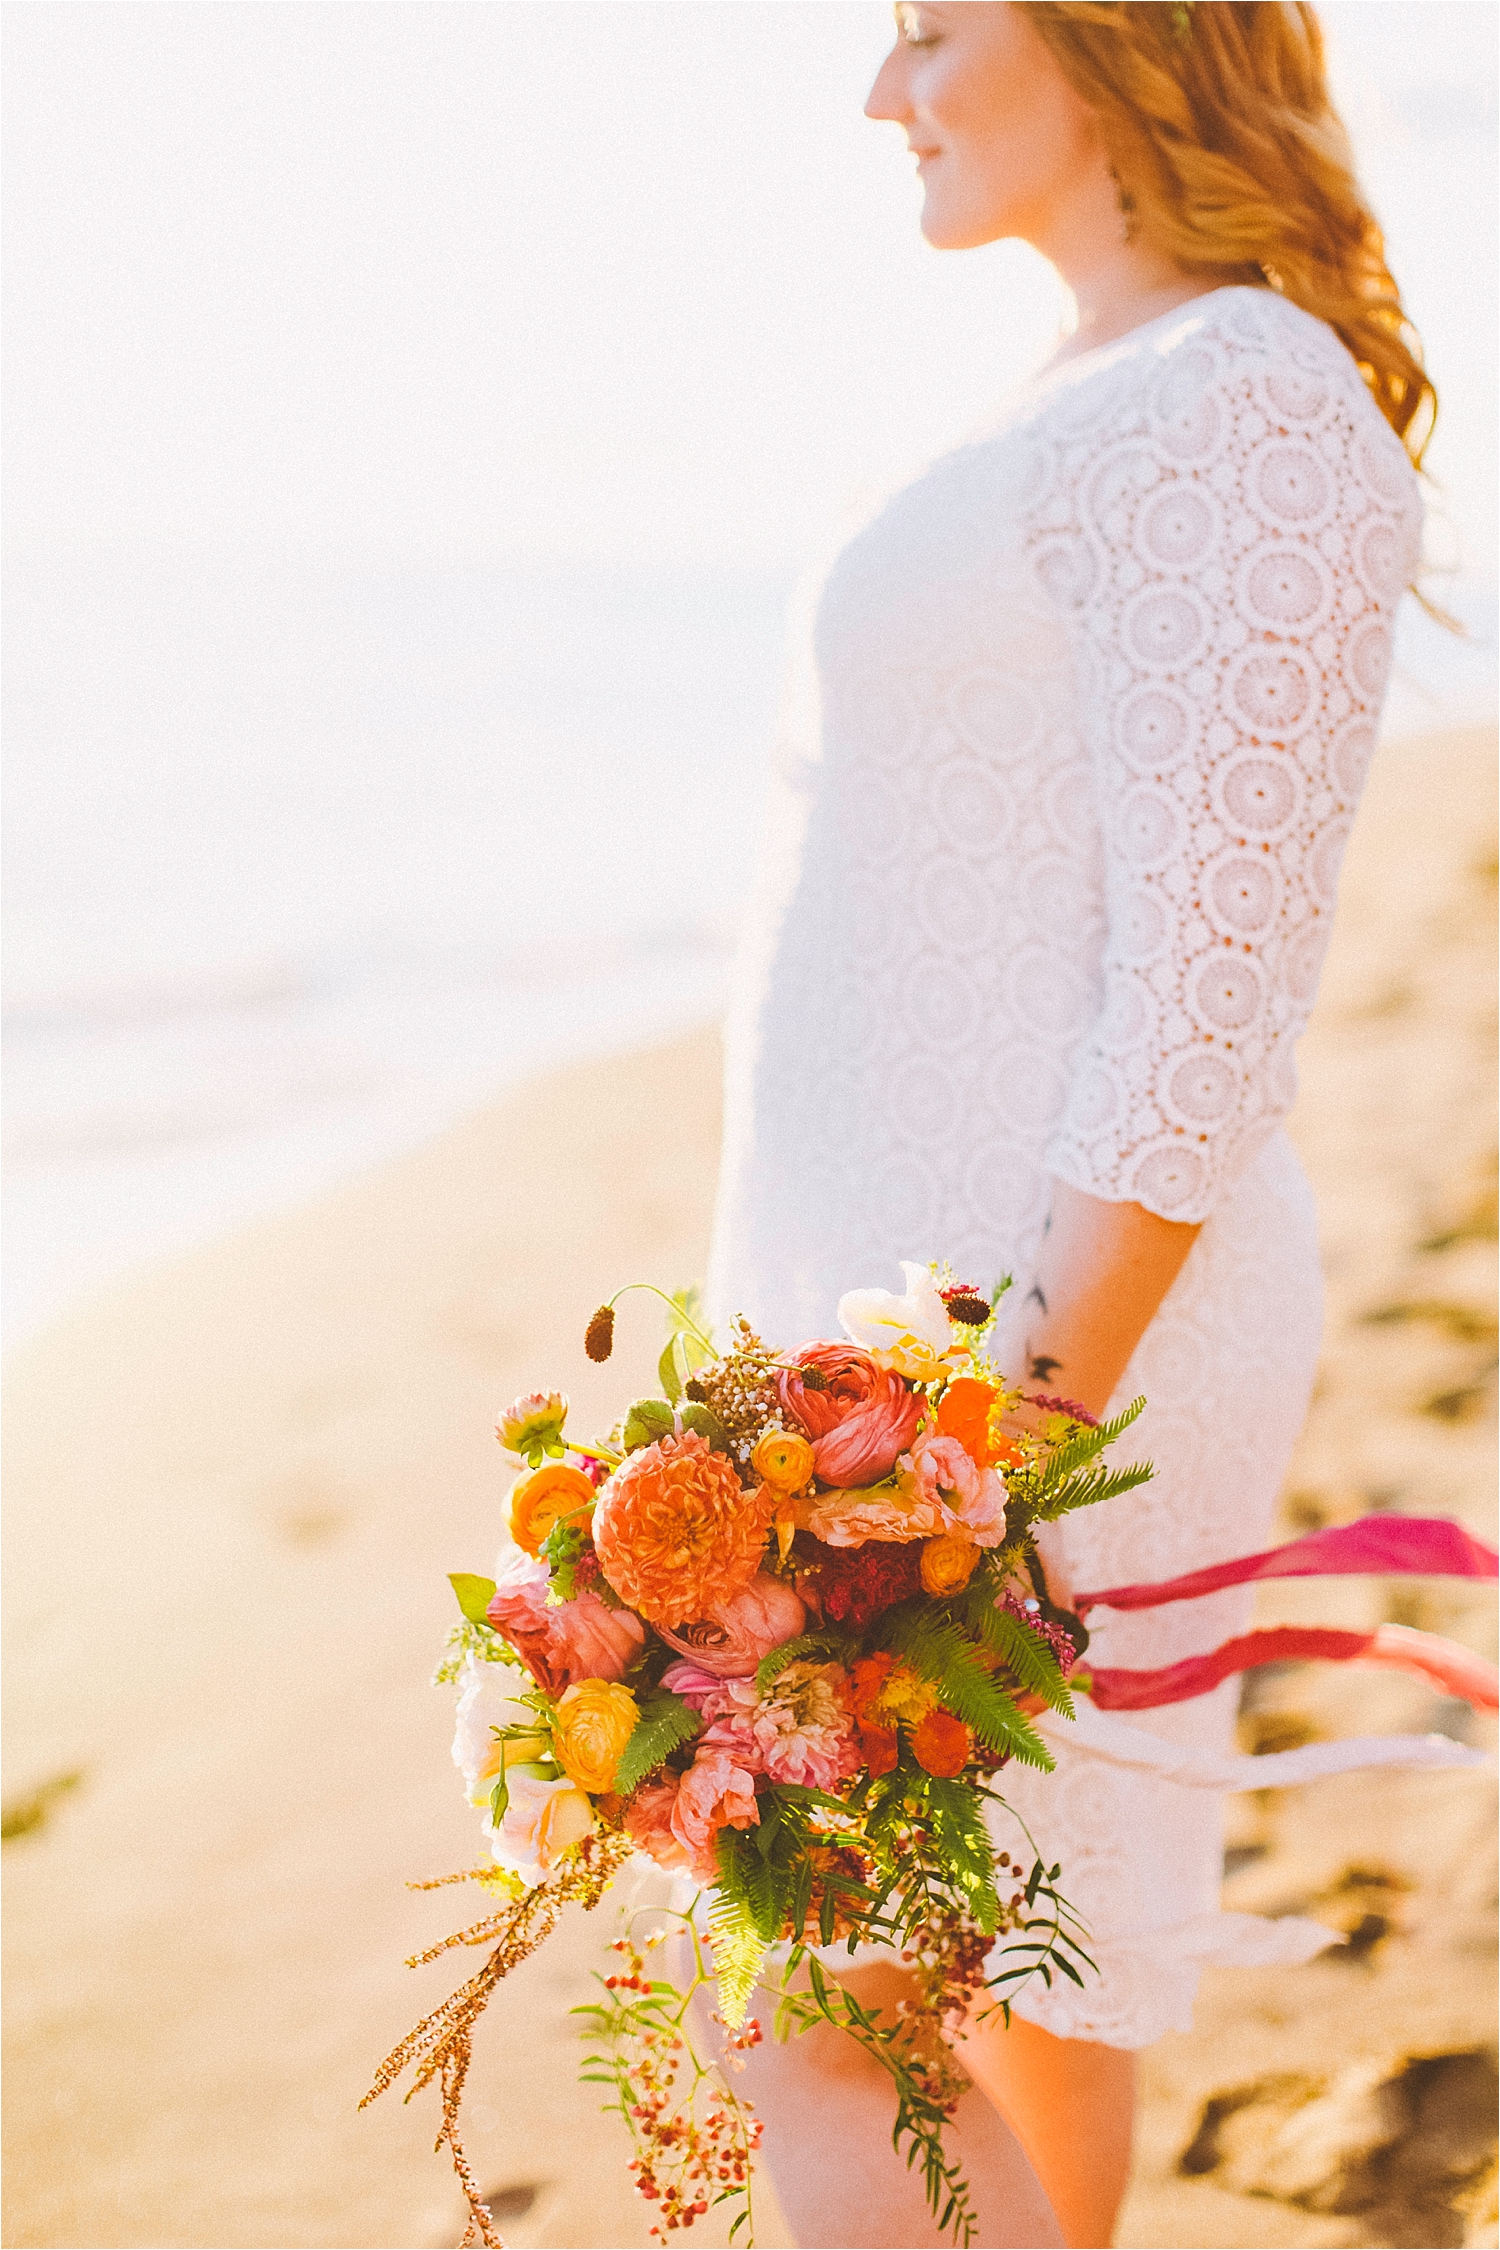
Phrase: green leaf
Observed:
(696, 1416)
(666, 1370)
(646, 1421)
(474, 1594)
(666, 1722)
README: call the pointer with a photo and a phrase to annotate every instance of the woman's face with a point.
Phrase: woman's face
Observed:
(1003, 143)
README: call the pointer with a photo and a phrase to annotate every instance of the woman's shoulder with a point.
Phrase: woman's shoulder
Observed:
(1226, 374)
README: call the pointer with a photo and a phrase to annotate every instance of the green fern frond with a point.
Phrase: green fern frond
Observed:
(738, 1950)
(942, 1653)
(1024, 1651)
(665, 1723)
(1087, 1487)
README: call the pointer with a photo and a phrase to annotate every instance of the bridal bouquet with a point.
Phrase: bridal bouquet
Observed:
(778, 1631)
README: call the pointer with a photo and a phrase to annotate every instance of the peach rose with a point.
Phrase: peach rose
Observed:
(542, 1820)
(851, 1519)
(730, 1639)
(577, 1640)
(648, 1822)
(714, 1793)
(863, 1418)
(594, 1721)
(675, 1531)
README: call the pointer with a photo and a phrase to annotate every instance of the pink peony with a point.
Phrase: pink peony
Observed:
(865, 1417)
(714, 1793)
(732, 1637)
(804, 1727)
(578, 1640)
(972, 1499)
(648, 1821)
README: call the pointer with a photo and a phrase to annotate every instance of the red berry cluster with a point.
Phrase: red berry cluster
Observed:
(688, 2157)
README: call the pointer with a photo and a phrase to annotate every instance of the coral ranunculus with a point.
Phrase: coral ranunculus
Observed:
(733, 1636)
(675, 1532)
(544, 1498)
(595, 1719)
(942, 1745)
(862, 1418)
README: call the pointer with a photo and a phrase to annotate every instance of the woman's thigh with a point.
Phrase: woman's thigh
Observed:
(828, 2113)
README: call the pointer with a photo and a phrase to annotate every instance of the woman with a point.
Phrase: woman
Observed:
(1064, 786)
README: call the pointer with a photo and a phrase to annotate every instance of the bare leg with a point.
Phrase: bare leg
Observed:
(828, 2112)
(1072, 2105)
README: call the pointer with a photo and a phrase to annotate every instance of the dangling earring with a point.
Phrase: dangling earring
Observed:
(1126, 202)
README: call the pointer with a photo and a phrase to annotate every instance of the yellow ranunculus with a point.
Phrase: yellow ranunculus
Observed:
(594, 1721)
(783, 1460)
(549, 1493)
(947, 1563)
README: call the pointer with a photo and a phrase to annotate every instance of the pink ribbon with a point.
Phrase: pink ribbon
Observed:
(1444, 1664)
(1425, 1546)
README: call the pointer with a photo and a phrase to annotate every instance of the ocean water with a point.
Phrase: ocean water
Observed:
(302, 863)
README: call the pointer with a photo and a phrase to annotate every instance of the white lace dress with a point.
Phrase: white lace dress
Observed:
(1067, 765)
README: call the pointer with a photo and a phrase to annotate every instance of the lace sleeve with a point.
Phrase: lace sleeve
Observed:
(1230, 564)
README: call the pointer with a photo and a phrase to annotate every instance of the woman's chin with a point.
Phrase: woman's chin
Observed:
(945, 228)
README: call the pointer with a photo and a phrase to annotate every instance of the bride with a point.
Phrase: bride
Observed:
(1064, 781)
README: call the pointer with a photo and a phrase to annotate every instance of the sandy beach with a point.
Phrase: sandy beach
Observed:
(234, 1488)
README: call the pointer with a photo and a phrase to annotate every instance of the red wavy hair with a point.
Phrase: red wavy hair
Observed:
(1233, 161)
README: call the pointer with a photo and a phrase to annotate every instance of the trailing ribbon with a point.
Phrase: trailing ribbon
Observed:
(1100, 1735)
(1448, 1667)
(1426, 1546)
(1384, 1546)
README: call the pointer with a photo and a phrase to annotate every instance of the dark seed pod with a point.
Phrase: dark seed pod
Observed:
(694, 1390)
(968, 1308)
(813, 1378)
(599, 1338)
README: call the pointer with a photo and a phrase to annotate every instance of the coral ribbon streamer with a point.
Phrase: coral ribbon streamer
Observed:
(1456, 1671)
(1425, 1546)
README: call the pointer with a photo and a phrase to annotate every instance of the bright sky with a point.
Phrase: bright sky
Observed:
(622, 279)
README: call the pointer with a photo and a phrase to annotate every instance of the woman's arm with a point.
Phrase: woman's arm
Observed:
(1102, 1271)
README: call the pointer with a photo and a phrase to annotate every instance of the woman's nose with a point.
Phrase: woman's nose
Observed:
(887, 103)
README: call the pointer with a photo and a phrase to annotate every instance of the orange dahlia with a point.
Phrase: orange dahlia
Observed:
(675, 1532)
